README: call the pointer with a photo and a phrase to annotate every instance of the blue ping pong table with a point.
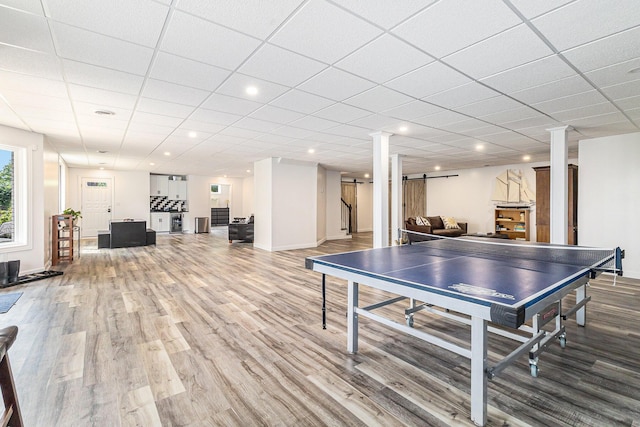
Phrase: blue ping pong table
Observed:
(511, 289)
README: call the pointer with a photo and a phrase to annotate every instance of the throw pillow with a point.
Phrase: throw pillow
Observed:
(450, 223)
(425, 221)
(419, 220)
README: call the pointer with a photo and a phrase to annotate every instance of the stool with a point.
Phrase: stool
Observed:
(12, 415)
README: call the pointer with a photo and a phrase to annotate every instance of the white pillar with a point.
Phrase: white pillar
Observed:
(396, 197)
(558, 196)
(380, 189)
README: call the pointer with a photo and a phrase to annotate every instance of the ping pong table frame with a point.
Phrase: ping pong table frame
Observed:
(477, 316)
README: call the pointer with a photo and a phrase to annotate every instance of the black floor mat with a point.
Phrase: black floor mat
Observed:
(33, 277)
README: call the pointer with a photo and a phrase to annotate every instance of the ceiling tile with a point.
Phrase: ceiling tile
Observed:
(170, 123)
(597, 19)
(383, 59)
(379, 12)
(529, 75)
(186, 72)
(615, 74)
(29, 62)
(336, 84)
(569, 116)
(237, 84)
(255, 124)
(31, 84)
(437, 120)
(341, 113)
(531, 9)
(84, 46)
(138, 21)
(555, 89)
(302, 102)
(102, 78)
(428, 80)
(489, 106)
(200, 127)
(510, 48)
(230, 104)
(622, 90)
(31, 6)
(378, 99)
(323, 31)
(412, 110)
(276, 114)
(570, 102)
(281, 66)
(170, 92)
(314, 123)
(225, 48)
(448, 26)
(462, 95)
(609, 50)
(374, 122)
(215, 117)
(164, 108)
(255, 17)
(24, 30)
(102, 97)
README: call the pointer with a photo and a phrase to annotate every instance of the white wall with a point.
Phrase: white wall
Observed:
(199, 192)
(609, 196)
(321, 205)
(286, 204)
(32, 255)
(51, 193)
(364, 199)
(262, 204)
(334, 205)
(247, 196)
(130, 192)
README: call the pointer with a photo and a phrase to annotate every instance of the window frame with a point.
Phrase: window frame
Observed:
(22, 213)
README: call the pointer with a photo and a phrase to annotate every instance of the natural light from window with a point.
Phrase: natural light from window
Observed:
(6, 196)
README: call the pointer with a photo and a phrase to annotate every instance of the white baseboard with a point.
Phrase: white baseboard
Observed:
(339, 236)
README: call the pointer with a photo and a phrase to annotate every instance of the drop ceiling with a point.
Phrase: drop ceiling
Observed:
(459, 84)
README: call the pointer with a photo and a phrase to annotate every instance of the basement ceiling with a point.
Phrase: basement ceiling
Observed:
(460, 84)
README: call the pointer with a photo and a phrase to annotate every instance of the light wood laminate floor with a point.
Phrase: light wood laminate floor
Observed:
(198, 332)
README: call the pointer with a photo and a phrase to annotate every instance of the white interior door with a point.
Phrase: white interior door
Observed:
(96, 205)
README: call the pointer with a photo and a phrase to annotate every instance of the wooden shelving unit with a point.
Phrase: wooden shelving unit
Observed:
(61, 239)
(514, 222)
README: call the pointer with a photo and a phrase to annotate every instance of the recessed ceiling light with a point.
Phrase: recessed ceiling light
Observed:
(102, 163)
(402, 128)
(225, 176)
(311, 151)
(252, 90)
(166, 153)
(102, 151)
(104, 113)
(248, 170)
(193, 134)
(101, 169)
(634, 70)
(525, 158)
(366, 175)
(437, 168)
(479, 147)
(152, 164)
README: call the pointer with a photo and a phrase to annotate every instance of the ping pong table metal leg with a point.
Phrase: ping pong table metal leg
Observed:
(478, 370)
(324, 301)
(352, 317)
(581, 314)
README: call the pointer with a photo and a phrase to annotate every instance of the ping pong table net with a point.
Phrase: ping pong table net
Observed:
(596, 259)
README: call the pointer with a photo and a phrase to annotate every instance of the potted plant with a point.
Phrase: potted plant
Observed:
(74, 214)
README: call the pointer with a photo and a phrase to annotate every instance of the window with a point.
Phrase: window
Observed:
(6, 196)
(14, 212)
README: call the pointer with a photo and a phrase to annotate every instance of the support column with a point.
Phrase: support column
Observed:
(558, 196)
(380, 189)
(396, 198)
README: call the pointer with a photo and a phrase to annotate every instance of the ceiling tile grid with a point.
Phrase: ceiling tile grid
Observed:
(258, 79)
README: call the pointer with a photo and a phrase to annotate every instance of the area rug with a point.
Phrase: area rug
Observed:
(7, 301)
